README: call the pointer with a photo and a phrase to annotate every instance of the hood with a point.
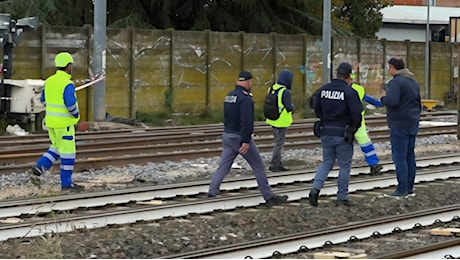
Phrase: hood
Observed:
(405, 73)
(285, 78)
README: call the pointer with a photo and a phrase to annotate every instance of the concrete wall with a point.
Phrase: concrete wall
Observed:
(187, 71)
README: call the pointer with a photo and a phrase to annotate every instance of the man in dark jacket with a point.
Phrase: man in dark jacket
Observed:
(282, 89)
(237, 139)
(403, 104)
(339, 108)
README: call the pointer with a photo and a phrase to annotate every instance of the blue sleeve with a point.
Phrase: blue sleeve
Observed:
(70, 100)
(287, 101)
(42, 97)
(372, 100)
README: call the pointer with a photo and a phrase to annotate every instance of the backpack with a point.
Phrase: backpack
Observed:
(271, 109)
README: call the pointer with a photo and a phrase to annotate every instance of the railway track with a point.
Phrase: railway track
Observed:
(293, 243)
(95, 210)
(120, 148)
(98, 209)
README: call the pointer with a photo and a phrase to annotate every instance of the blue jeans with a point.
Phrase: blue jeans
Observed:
(402, 151)
(335, 147)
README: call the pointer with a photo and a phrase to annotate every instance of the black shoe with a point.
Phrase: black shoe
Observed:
(276, 200)
(278, 169)
(313, 197)
(376, 169)
(37, 171)
(411, 194)
(347, 203)
(73, 187)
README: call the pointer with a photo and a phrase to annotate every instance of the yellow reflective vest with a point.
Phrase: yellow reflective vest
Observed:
(285, 119)
(361, 92)
(57, 115)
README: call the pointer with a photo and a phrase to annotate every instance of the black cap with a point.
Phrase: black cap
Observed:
(398, 63)
(244, 75)
(344, 69)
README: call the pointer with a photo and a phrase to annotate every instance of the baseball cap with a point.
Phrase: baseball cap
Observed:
(398, 63)
(344, 69)
(244, 75)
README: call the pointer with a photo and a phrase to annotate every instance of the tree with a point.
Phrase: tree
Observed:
(361, 18)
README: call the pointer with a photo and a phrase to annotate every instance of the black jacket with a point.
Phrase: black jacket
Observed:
(402, 101)
(337, 105)
(239, 113)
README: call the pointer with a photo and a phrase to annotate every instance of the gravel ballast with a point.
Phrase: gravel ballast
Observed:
(169, 236)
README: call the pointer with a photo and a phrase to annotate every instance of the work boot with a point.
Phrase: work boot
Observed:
(38, 171)
(73, 187)
(276, 200)
(376, 169)
(313, 197)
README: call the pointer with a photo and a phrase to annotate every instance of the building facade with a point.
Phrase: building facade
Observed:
(444, 3)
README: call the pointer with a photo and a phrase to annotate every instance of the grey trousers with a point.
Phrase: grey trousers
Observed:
(231, 144)
(278, 143)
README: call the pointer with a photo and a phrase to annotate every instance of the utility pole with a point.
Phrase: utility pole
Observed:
(326, 41)
(427, 52)
(99, 52)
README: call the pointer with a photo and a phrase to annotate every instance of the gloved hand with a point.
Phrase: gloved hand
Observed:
(349, 134)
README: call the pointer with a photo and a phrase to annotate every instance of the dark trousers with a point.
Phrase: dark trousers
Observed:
(280, 138)
(231, 144)
(402, 151)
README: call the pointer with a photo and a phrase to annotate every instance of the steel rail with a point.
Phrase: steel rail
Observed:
(149, 137)
(122, 156)
(164, 134)
(97, 199)
(196, 142)
(434, 251)
(292, 243)
(199, 204)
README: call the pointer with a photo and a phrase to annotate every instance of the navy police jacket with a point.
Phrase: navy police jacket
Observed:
(337, 105)
(239, 113)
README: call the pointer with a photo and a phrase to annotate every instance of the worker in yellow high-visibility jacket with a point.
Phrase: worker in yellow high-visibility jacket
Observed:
(362, 137)
(62, 114)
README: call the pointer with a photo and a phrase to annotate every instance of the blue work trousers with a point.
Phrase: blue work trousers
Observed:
(402, 151)
(231, 144)
(335, 147)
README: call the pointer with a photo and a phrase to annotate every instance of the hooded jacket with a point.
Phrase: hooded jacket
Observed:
(402, 100)
(283, 85)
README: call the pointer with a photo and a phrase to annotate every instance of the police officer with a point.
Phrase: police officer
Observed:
(339, 108)
(62, 114)
(237, 139)
(282, 88)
